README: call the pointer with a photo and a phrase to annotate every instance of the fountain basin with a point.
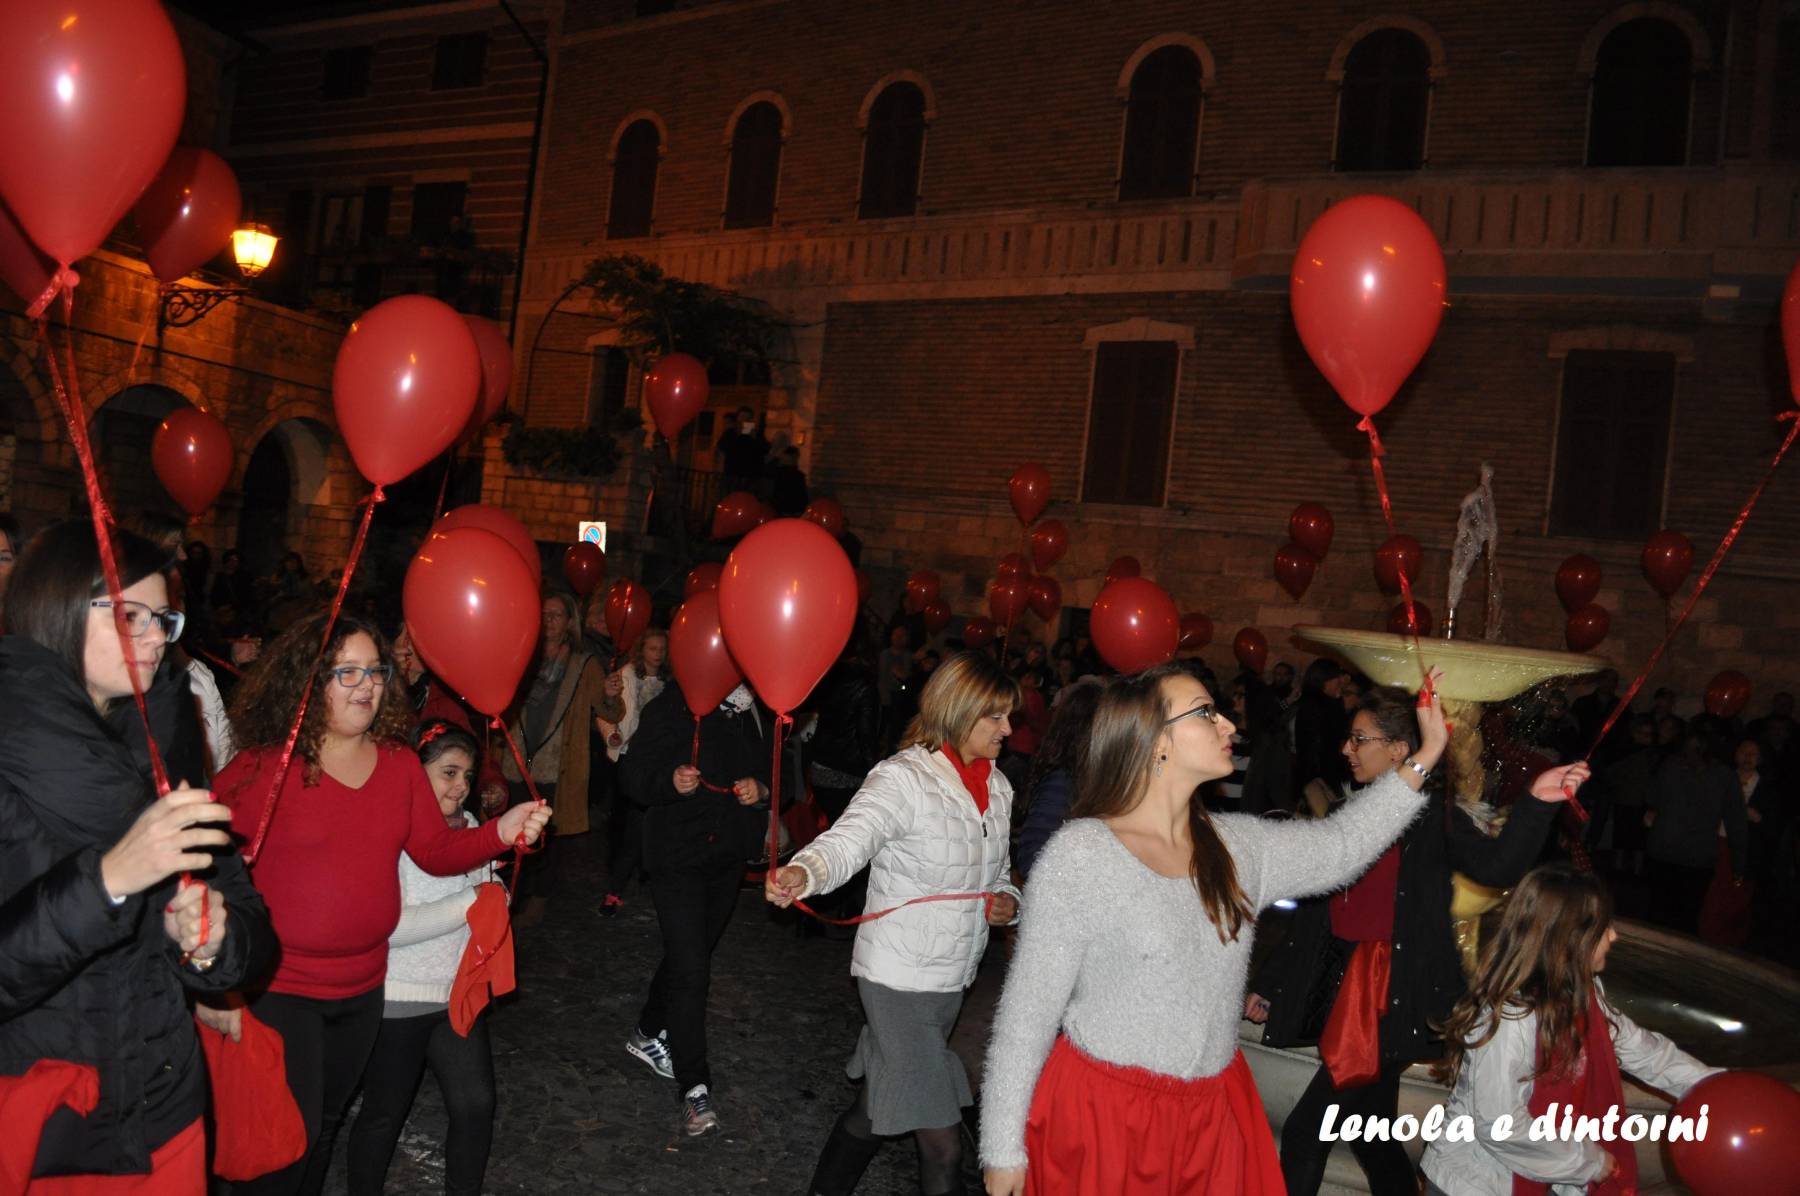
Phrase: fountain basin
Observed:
(1474, 670)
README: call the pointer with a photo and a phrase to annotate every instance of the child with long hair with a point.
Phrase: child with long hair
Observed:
(1554, 1039)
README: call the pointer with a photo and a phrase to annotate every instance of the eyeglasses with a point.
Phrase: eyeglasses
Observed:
(138, 618)
(351, 675)
(1359, 739)
(1205, 710)
(7, 558)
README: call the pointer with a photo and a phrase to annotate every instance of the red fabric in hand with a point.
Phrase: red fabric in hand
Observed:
(1351, 1043)
(257, 1127)
(26, 1103)
(486, 970)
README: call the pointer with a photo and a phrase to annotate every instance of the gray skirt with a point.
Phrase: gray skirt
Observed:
(914, 1080)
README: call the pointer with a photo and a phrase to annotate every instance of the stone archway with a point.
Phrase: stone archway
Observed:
(285, 476)
(121, 430)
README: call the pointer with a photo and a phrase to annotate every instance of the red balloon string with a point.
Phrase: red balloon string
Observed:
(63, 282)
(520, 848)
(203, 654)
(293, 735)
(1376, 452)
(137, 350)
(695, 763)
(987, 900)
(782, 723)
(444, 485)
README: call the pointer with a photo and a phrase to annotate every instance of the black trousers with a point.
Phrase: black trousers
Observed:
(326, 1044)
(1677, 893)
(693, 905)
(624, 843)
(464, 1068)
(1303, 1156)
(538, 872)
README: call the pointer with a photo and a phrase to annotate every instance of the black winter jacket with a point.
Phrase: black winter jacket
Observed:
(703, 828)
(83, 980)
(848, 736)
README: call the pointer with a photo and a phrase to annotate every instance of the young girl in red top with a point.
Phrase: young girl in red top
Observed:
(355, 797)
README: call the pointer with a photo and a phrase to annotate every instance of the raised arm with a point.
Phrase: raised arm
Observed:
(1300, 859)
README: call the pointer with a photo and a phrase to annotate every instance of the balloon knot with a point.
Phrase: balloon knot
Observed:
(61, 282)
(379, 496)
(1787, 415)
(1367, 424)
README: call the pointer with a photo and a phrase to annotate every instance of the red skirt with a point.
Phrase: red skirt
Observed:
(1099, 1128)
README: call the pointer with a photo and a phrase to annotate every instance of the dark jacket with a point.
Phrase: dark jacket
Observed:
(704, 828)
(1048, 809)
(1321, 725)
(1427, 973)
(81, 979)
(848, 738)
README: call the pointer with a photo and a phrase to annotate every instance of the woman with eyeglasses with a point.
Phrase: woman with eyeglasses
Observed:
(100, 941)
(1369, 971)
(1114, 1065)
(354, 798)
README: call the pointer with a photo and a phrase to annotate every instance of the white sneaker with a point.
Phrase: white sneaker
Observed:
(698, 1117)
(654, 1051)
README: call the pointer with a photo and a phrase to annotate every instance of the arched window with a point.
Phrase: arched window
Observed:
(1162, 126)
(1383, 103)
(634, 181)
(892, 148)
(755, 167)
(1642, 85)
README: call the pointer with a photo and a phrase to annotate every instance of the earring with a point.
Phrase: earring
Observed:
(1159, 764)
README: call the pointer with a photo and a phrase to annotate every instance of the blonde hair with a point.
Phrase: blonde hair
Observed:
(962, 691)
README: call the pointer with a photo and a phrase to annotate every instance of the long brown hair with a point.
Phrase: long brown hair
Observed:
(1540, 961)
(263, 707)
(1129, 721)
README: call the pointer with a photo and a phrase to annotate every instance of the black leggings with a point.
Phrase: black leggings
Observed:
(464, 1068)
(326, 1044)
(1303, 1156)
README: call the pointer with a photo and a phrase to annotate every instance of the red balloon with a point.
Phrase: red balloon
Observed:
(187, 213)
(1029, 490)
(1311, 527)
(1790, 329)
(1044, 595)
(1587, 626)
(921, 590)
(1668, 556)
(1578, 581)
(1196, 632)
(1251, 649)
(92, 92)
(406, 381)
(1049, 540)
(1367, 291)
(737, 514)
(1134, 625)
(787, 603)
(1014, 565)
(23, 266)
(584, 565)
(627, 613)
(191, 454)
(703, 665)
(1294, 569)
(1727, 694)
(1418, 626)
(675, 389)
(496, 372)
(1397, 555)
(827, 514)
(863, 588)
(979, 632)
(1119, 570)
(1006, 600)
(936, 615)
(702, 578)
(1752, 1139)
(503, 524)
(473, 611)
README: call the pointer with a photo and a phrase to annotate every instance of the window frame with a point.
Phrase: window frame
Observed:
(1139, 330)
(866, 122)
(477, 37)
(1693, 69)
(437, 186)
(1202, 85)
(1555, 523)
(752, 104)
(618, 152)
(1426, 108)
(327, 93)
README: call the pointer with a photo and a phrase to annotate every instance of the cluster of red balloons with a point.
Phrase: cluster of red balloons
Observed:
(1577, 586)
(1310, 528)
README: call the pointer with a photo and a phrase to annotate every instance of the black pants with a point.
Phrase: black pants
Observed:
(326, 1044)
(1677, 893)
(1303, 1156)
(538, 871)
(464, 1068)
(624, 842)
(847, 900)
(693, 905)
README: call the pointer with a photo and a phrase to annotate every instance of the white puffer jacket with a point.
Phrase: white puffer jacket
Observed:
(917, 828)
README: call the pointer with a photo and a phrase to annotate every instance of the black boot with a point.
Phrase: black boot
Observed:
(843, 1161)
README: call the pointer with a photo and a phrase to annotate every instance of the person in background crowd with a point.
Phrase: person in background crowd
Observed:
(1628, 781)
(165, 531)
(1281, 682)
(1725, 911)
(10, 547)
(196, 572)
(845, 745)
(638, 684)
(1229, 793)
(894, 678)
(594, 637)
(231, 586)
(1592, 709)
(424, 953)
(742, 450)
(1268, 782)
(1030, 723)
(88, 855)
(1558, 734)
(433, 702)
(1320, 727)
(787, 484)
(1050, 786)
(1692, 797)
(290, 581)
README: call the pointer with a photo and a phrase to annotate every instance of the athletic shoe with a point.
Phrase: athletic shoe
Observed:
(697, 1115)
(611, 905)
(654, 1051)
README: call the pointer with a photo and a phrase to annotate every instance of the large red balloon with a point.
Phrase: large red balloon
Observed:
(1668, 556)
(191, 454)
(1049, 540)
(737, 514)
(1397, 555)
(1727, 694)
(1029, 490)
(406, 382)
(1044, 595)
(187, 213)
(584, 565)
(91, 93)
(1294, 569)
(827, 514)
(1790, 329)
(936, 615)
(921, 590)
(1196, 632)
(1418, 626)
(703, 665)
(702, 578)
(979, 632)
(473, 611)
(675, 389)
(1251, 648)
(1752, 1141)
(503, 524)
(1014, 566)
(1587, 627)
(496, 372)
(23, 266)
(1006, 600)
(627, 613)
(787, 603)
(1134, 625)
(1311, 527)
(1123, 567)
(1367, 290)
(1578, 581)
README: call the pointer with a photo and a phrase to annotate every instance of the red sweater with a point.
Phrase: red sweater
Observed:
(330, 866)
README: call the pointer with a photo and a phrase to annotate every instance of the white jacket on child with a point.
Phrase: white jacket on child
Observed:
(917, 828)
(427, 946)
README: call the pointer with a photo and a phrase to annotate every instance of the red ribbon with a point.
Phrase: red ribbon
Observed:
(987, 900)
(695, 763)
(203, 654)
(520, 848)
(1376, 452)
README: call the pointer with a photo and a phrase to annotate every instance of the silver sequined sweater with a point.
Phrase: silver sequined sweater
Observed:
(1125, 962)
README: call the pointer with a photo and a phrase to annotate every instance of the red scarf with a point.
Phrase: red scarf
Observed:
(1594, 1087)
(974, 776)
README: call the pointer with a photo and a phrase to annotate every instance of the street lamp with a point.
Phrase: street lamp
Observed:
(252, 247)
